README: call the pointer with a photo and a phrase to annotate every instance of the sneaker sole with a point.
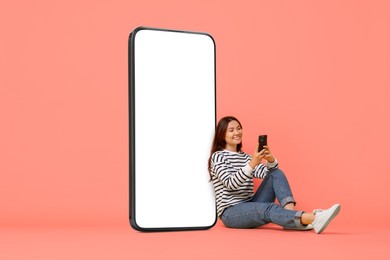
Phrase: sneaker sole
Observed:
(299, 229)
(334, 214)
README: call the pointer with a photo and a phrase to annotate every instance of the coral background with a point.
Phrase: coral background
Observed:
(313, 75)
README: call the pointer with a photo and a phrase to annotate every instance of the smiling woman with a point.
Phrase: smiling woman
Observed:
(232, 172)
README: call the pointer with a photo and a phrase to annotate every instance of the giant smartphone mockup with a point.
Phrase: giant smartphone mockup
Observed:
(172, 112)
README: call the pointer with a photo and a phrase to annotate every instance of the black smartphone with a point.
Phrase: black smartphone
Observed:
(262, 142)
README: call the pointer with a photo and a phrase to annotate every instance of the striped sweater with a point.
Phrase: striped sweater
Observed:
(232, 177)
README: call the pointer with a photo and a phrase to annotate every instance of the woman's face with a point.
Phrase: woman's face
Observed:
(233, 135)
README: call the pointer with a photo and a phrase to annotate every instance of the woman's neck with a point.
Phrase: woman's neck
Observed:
(231, 148)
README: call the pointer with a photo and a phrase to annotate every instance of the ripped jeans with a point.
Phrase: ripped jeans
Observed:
(262, 209)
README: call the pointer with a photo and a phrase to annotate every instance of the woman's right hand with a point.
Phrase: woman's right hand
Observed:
(257, 158)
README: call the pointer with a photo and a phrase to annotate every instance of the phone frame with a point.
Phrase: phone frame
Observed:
(132, 134)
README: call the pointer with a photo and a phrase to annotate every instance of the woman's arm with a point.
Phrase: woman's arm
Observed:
(262, 170)
(230, 177)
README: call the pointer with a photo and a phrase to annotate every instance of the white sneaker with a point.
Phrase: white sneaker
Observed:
(324, 217)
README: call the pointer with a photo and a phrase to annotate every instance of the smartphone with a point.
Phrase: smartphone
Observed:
(262, 142)
(170, 73)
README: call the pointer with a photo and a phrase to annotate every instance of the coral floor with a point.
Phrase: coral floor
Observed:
(121, 242)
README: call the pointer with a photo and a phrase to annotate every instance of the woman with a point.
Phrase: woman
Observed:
(232, 172)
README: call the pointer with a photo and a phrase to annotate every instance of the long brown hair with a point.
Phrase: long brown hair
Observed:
(219, 142)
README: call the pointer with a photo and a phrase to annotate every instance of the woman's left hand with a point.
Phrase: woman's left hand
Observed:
(268, 155)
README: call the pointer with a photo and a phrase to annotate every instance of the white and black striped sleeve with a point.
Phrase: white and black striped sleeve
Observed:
(262, 170)
(231, 178)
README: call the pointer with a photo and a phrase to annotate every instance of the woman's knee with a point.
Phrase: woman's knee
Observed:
(277, 172)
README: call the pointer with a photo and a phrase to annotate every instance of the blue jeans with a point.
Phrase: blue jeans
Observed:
(262, 209)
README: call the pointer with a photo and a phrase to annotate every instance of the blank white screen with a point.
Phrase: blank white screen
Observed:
(174, 101)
